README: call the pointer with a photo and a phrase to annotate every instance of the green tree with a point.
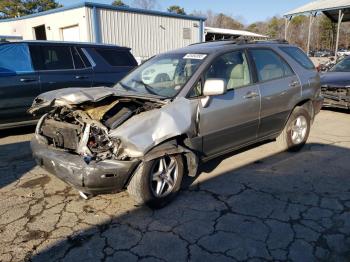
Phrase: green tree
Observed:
(273, 28)
(176, 9)
(327, 32)
(11, 8)
(252, 27)
(119, 3)
(16, 8)
(225, 21)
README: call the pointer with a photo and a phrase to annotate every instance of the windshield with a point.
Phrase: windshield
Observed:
(342, 66)
(163, 75)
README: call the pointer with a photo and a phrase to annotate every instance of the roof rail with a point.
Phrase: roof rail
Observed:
(244, 41)
(276, 41)
(215, 41)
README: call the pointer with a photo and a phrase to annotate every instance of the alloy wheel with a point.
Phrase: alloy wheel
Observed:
(299, 130)
(164, 175)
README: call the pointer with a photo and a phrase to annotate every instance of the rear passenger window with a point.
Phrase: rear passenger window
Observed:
(57, 58)
(269, 65)
(299, 56)
(117, 57)
(15, 58)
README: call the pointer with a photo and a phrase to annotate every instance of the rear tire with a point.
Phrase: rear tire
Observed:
(296, 131)
(157, 182)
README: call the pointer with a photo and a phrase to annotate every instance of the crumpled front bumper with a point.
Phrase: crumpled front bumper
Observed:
(95, 177)
(336, 96)
(338, 101)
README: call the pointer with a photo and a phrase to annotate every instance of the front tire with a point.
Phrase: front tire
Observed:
(296, 131)
(157, 182)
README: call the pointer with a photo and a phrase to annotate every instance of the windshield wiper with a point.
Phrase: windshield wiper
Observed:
(148, 87)
(125, 86)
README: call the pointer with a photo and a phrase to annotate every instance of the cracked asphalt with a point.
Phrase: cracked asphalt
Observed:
(254, 205)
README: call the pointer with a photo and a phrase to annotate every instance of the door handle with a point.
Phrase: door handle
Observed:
(26, 80)
(294, 84)
(251, 95)
(81, 77)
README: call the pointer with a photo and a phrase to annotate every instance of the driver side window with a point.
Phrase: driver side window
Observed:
(232, 68)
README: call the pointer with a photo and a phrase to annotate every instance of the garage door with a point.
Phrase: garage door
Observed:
(71, 33)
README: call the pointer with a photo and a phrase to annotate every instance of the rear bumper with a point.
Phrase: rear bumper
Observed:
(95, 177)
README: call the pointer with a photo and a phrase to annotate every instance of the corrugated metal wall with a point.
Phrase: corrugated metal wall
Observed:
(88, 15)
(146, 34)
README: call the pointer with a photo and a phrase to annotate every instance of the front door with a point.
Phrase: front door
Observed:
(230, 120)
(19, 84)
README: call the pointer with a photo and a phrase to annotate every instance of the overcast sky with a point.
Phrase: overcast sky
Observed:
(248, 11)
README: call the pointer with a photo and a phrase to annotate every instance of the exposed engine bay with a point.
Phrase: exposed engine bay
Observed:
(84, 129)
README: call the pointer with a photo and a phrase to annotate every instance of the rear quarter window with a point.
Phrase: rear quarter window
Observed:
(117, 57)
(299, 56)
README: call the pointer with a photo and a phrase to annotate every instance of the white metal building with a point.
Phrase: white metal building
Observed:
(146, 32)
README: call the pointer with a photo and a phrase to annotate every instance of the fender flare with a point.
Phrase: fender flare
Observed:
(171, 148)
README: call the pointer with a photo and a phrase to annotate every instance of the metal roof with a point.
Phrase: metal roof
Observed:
(232, 32)
(329, 7)
(109, 7)
(14, 37)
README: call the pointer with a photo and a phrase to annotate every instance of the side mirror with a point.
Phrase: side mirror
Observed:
(214, 87)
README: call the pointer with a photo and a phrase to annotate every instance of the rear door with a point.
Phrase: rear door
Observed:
(279, 86)
(230, 120)
(60, 66)
(19, 83)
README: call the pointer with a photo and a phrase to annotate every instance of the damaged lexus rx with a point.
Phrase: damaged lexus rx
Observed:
(172, 113)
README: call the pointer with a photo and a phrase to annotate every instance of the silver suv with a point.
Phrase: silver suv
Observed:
(174, 112)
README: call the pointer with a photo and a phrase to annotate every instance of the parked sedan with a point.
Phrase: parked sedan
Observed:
(336, 85)
(218, 97)
(33, 67)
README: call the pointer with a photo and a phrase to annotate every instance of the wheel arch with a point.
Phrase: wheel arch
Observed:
(172, 146)
(305, 103)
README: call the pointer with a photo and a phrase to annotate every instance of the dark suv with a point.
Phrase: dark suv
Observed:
(204, 100)
(28, 69)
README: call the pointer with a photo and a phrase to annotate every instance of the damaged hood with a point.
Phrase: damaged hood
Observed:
(76, 96)
(142, 132)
